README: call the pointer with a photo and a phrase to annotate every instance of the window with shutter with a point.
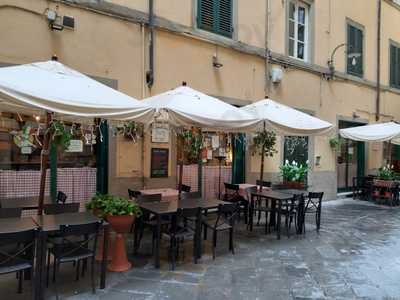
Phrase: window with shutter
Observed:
(394, 66)
(298, 22)
(215, 16)
(355, 51)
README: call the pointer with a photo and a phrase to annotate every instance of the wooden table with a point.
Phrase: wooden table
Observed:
(277, 197)
(166, 208)
(167, 194)
(244, 186)
(51, 224)
(25, 203)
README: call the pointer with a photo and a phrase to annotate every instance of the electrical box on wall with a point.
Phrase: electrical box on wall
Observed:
(68, 22)
(276, 75)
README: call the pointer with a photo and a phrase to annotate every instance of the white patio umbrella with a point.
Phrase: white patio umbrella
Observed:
(380, 132)
(50, 87)
(284, 120)
(186, 107)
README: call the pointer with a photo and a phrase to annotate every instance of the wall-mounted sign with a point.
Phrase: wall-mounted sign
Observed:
(26, 150)
(75, 146)
(159, 162)
(160, 133)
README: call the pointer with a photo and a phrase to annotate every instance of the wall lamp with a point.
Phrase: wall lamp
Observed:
(216, 63)
(331, 64)
(55, 21)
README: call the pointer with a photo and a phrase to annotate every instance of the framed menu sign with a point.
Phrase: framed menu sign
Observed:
(159, 162)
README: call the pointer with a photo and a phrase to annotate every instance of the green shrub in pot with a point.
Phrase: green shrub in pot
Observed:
(120, 206)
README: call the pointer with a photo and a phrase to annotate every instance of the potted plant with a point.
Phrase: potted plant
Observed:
(386, 173)
(294, 175)
(121, 214)
(60, 136)
(264, 145)
(335, 143)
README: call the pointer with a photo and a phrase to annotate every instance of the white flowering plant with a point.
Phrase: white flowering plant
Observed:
(294, 172)
(386, 172)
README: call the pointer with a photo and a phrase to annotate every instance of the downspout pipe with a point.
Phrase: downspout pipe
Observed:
(378, 63)
(150, 72)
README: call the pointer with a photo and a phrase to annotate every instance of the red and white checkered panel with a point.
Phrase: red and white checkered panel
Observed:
(209, 179)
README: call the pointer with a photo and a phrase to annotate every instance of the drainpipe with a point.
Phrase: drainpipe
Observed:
(267, 66)
(378, 62)
(150, 72)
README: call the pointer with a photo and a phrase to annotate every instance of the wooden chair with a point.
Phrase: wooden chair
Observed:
(61, 197)
(314, 206)
(232, 195)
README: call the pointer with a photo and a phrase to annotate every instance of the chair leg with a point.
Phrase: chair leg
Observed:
(214, 243)
(259, 218)
(78, 264)
(92, 275)
(84, 266)
(56, 269)
(205, 232)
(48, 269)
(231, 248)
(20, 279)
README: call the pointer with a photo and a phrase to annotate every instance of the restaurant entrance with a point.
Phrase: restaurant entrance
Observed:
(350, 159)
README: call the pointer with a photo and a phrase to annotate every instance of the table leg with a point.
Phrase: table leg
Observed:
(272, 220)
(106, 235)
(40, 261)
(157, 243)
(278, 226)
(198, 244)
(251, 213)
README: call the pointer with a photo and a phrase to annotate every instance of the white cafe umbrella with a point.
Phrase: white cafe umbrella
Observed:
(50, 87)
(53, 87)
(186, 107)
(380, 132)
(284, 120)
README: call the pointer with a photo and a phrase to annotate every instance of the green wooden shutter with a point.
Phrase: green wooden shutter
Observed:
(215, 16)
(354, 46)
(393, 66)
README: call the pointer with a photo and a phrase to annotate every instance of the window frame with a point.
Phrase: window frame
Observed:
(360, 27)
(308, 37)
(196, 21)
(392, 43)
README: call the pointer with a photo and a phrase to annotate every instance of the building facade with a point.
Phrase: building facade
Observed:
(237, 50)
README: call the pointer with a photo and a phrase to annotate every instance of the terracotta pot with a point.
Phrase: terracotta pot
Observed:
(121, 225)
(294, 184)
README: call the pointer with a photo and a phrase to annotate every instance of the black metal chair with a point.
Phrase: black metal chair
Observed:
(292, 211)
(180, 230)
(232, 195)
(56, 209)
(10, 213)
(147, 221)
(75, 251)
(186, 188)
(133, 194)
(263, 183)
(61, 197)
(227, 213)
(314, 206)
(21, 258)
(190, 195)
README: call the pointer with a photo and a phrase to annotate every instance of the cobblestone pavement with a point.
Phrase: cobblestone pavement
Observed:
(355, 256)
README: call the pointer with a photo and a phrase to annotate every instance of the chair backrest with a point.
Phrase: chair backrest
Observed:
(263, 183)
(10, 213)
(61, 197)
(179, 218)
(186, 188)
(149, 198)
(314, 199)
(87, 232)
(227, 213)
(191, 195)
(250, 190)
(18, 237)
(133, 194)
(231, 187)
(56, 209)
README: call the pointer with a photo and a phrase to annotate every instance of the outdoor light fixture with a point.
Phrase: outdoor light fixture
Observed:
(55, 21)
(216, 63)
(331, 64)
(318, 160)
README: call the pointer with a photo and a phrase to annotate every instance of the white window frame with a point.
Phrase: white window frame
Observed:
(306, 24)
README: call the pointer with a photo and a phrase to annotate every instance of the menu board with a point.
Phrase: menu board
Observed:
(159, 162)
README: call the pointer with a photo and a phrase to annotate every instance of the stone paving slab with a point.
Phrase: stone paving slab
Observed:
(356, 255)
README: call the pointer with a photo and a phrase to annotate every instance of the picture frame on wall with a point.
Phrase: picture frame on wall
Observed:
(159, 162)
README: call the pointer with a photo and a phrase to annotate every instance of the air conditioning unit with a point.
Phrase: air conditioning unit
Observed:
(276, 75)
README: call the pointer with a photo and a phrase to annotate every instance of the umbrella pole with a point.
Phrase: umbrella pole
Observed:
(262, 162)
(180, 164)
(43, 163)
